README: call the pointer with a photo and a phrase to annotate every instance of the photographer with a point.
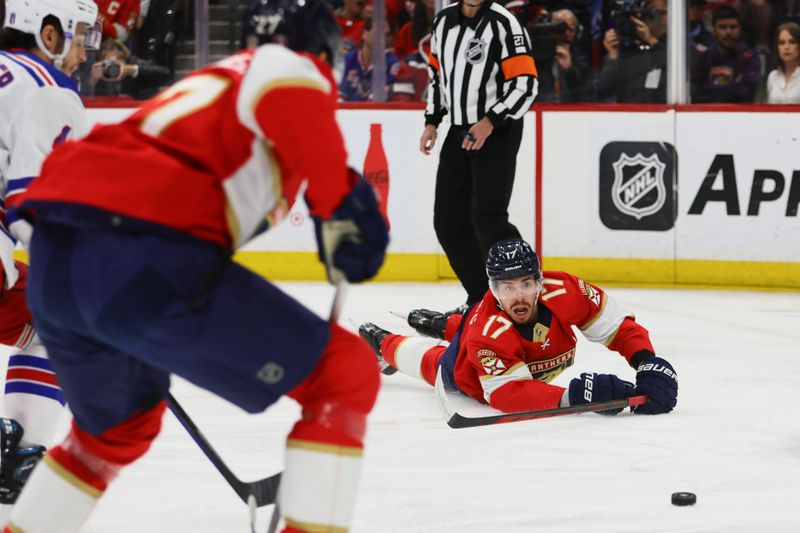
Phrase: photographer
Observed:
(116, 72)
(571, 68)
(564, 70)
(635, 69)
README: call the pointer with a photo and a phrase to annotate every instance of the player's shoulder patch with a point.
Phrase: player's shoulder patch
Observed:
(491, 362)
(590, 292)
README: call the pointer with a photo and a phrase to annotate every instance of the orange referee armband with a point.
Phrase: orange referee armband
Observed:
(521, 65)
(434, 62)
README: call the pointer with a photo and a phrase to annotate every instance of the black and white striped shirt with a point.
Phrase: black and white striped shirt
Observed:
(479, 66)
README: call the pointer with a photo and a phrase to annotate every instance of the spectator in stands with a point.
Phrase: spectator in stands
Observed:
(783, 83)
(119, 17)
(756, 18)
(409, 36)
(636, 71)
(398, 12)
(156, 36)
(117, 72)
(786, 10)
(254, 24)
(571, 70)
(700, 37)
(411, 81)
(356, 84)
(352, 20)
(729, 70)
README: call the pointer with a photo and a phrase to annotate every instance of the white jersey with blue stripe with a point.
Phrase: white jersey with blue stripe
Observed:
(39, 108)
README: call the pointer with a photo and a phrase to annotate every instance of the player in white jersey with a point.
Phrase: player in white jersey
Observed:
(42, 43)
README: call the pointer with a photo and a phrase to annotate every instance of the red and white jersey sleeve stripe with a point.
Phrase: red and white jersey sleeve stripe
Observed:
(286, 99)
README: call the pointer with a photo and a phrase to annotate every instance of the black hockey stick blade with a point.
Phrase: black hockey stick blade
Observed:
(264, 490)
(457, 420)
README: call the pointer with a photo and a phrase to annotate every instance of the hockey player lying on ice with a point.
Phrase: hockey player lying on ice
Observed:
(507, 348)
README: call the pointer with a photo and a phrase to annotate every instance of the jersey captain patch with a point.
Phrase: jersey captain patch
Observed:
(491, 364)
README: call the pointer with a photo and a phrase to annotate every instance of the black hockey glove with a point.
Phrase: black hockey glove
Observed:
(428, 323)
(594, 388)
(352, 244)
(656, 379)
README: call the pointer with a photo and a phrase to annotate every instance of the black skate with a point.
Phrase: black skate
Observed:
(374, 337)
(428, 323)
(16, 464)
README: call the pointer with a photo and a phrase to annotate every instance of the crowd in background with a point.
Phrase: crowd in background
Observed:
(137, 55)
(595, 50)
(740, 51)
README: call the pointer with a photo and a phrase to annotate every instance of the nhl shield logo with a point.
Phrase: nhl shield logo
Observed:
(638, 189)
(476, 51)
(638, 184)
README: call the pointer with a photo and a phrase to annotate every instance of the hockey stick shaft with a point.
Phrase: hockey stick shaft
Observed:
(264, 490)
(459, 421)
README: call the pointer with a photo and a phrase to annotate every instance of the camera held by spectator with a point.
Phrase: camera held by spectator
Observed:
(112, 70)
(117, 72)
(545, 32)
(637, 73)
(563, 69)
(625, 15)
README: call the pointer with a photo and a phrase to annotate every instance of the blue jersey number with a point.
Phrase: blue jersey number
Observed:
(6, 76)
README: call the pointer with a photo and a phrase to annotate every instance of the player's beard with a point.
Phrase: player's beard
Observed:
(522, 310)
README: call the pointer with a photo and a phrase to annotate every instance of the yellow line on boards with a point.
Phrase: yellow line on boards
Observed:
(659, 273)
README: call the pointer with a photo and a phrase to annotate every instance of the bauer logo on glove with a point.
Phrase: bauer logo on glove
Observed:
(654, 367)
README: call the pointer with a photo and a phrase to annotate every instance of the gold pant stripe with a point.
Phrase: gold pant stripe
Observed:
(314, 528)
(71, 478)
(333, 449)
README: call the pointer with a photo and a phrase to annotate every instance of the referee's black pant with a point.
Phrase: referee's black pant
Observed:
(470, 211)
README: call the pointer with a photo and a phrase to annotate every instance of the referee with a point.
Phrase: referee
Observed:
(482, 73)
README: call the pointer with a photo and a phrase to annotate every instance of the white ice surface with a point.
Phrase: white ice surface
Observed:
(734, 439)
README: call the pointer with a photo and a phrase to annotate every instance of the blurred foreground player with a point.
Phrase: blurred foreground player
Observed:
(507, 348)
(42, 43)
(131, 275)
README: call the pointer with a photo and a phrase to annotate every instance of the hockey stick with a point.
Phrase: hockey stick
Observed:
(262, 491)
(458, 420)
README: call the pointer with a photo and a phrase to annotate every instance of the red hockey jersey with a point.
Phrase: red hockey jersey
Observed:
(509, 366)
(216, 154)
(118, 17)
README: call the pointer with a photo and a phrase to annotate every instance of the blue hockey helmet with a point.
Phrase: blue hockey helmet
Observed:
(512, 258)
(300, 25)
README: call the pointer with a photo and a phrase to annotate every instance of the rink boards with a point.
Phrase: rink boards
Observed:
(629, 194)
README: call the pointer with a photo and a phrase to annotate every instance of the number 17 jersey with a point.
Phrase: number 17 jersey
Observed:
(509, 366)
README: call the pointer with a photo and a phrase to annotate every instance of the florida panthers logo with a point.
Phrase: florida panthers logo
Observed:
(638, 188)
(491, 364)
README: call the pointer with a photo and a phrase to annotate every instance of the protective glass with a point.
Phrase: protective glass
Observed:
(93, 36)
(513, 288)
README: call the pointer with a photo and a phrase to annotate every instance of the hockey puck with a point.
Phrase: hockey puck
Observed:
(683, 498)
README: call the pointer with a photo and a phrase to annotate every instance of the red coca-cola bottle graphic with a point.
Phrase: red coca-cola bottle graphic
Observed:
(376, 169)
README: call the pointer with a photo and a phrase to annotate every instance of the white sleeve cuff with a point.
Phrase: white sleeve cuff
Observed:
(565, 398)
